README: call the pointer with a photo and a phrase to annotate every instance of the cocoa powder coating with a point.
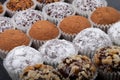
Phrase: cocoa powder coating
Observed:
(12, 38)
(105, 15)
(43, 30)
(74, 24)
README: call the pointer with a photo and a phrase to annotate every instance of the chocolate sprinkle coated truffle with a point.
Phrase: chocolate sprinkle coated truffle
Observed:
(108, 58)
(58, 10)
(40, 72)
(85, 7)
(23, 20)
(114, 33)
(77, 68)
(90, 39)
(5, 23)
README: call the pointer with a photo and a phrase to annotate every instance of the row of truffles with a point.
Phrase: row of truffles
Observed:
(82, 7)
(61, 16)
(26, 63)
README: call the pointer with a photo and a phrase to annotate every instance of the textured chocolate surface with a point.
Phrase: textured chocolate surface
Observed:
(77, 68)
(40, 72)
(108, 59)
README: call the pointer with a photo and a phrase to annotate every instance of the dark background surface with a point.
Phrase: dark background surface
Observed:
(3, 73)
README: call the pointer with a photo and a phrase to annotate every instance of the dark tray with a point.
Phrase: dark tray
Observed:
(4, 75)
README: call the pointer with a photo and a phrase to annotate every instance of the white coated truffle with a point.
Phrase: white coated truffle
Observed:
(53, 51)
(58, 10)
(5, 23)
(114, 33)
(21, 57)
(87, 6)
(24, 19)
(90, 39)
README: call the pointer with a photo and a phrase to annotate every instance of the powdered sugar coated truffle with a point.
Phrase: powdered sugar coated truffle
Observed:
(20, 57)
(24, 19)
(114, 33)
(5, 23)
(55, 50)
(90, 39)
(87, 6)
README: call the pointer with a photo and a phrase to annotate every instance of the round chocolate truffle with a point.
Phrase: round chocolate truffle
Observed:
(19, 58)
(85, 7)
(105, 16)
(77, 67)
(53, 51)
(90, 39)
(23, 20)
(114, 33)
(107, 59)
(55, 12)
(72, 25)
(5, 23)
(40, 72)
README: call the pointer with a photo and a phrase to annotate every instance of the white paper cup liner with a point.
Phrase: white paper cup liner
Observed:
(109, 75)
(41, 5)
(87, 12)
(11, 13)
(55, 20)
(67, 36)
(4, 53)
(37, 43)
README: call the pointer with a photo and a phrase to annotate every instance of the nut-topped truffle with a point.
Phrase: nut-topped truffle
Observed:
(17, 5)
(108, 58)
(40, 72)
(77, 67)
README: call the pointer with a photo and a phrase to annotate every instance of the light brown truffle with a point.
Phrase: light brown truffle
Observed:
(105, 15)
(13, 38)
(74, 24)
(16, 5)
(43, 30)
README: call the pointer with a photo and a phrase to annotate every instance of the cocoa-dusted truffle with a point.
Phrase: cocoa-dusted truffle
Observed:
(105, 16)
(1, 8)
(43, 30)
(77, 67)
(74, 24)
(12, 38)
(40, 72)
(108, 59)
